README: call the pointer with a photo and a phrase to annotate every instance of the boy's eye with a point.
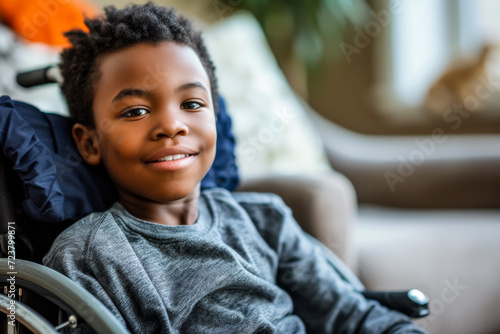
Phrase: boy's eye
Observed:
(135, 112)
(191, 105)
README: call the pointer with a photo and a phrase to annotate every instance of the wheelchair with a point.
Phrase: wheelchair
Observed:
(37, 299)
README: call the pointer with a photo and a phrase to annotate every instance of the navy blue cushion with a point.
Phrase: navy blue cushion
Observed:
(224, 172)
(59, 185)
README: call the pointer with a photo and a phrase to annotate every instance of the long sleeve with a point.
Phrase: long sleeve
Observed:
(218, 275)
(325, 302)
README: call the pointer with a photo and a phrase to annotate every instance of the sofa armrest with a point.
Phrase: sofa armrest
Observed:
(441, 170)
(324, 206)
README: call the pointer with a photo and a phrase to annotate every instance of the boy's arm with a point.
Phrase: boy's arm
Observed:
(325, 302)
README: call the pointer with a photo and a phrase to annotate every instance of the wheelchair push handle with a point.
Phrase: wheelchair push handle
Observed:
(413, 303)
(42, 76)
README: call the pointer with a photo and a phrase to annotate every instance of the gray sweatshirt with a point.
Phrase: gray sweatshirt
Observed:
(245, 266)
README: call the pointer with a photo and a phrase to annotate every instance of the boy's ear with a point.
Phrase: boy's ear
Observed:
(87, 143)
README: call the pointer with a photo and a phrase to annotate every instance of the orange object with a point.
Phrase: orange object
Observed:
(45, 20)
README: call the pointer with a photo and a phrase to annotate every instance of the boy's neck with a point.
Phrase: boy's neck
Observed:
(179, 212)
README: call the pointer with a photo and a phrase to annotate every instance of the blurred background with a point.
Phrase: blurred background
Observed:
(377, 121)
(369, 65)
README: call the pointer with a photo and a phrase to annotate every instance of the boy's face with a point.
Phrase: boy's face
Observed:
(154, 121)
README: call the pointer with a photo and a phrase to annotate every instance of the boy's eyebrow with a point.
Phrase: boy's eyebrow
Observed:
(190, 85)
(140, 92)
(130, 92)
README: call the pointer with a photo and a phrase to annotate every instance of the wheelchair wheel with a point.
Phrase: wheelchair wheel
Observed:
(81, 307)
(25, 316)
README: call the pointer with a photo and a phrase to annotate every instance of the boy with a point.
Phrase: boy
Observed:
(168, 258)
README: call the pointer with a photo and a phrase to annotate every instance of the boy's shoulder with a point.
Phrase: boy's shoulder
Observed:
(244, 198)
(266, 211)
(88, 224)
(259, 206)
(77, 237)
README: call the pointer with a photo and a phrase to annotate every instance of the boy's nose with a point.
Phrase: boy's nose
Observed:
(169, 125)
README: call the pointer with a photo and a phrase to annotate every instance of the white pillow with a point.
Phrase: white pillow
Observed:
(273, 132)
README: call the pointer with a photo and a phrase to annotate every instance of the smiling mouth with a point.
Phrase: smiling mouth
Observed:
(173, 157)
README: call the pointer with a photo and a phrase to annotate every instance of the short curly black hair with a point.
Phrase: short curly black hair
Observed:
(117, 29)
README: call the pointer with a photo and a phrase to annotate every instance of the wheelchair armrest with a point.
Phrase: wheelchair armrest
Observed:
(64, 292)
(413, 302)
